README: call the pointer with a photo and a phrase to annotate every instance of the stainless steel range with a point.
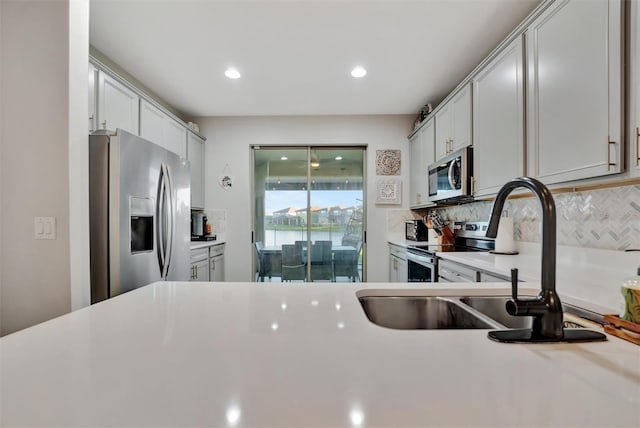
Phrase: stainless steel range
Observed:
(422, 259)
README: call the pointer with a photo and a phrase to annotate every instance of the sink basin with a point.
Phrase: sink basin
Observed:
(418, 312)
(494, 308)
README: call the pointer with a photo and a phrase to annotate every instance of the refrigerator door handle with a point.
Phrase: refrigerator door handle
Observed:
(160, 220)
(169, 210)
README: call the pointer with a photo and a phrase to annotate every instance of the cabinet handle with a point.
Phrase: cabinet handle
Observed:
(637, 146)
(609, 164)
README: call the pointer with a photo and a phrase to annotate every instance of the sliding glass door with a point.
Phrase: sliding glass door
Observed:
(308, 213)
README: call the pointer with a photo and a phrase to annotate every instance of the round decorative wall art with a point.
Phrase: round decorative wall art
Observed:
(388, 162)
(226, 179)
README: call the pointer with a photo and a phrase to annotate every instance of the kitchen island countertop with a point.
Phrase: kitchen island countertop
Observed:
(238, 354)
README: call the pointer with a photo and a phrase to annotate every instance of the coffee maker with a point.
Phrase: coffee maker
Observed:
(199, 228)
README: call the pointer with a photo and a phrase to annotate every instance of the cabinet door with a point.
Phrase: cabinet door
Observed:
(151, 122)
(498, 121)
(461, 119)
(634, 86)
(93, 74)
(118, 106)
(195, 154)
(443, 131)
(403, 270)
(393, 268)
(422, 155)
(574, 91)
(416, 169)
(216, 269)
(156, 126)
(201, 271)
(175, 137)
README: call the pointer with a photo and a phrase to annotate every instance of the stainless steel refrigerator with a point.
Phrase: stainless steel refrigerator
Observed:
(139, 211)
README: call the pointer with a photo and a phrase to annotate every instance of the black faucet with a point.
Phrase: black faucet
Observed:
(546, 308)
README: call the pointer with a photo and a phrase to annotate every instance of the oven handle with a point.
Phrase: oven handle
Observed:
(420, 259)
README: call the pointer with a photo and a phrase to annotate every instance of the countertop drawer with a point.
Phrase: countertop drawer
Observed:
(199, 255)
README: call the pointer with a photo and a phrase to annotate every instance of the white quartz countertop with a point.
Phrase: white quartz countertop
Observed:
(237, 354)
(205, 244)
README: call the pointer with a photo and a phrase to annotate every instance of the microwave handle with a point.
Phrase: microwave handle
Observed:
(450, 174)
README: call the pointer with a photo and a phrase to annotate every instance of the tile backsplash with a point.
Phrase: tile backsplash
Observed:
(606, 219)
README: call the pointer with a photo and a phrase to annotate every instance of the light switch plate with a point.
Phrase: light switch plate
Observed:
(45, 228)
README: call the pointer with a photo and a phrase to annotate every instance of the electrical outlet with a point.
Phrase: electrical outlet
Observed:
(45, 228)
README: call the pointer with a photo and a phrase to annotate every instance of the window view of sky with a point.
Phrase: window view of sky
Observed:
(280, 199)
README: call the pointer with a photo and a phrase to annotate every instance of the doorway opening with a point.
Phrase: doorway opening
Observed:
(309, 213)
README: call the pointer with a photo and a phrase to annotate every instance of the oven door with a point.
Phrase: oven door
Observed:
(420, 267)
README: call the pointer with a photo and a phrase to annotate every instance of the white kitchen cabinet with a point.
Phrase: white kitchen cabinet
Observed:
(175, 137)
(453, 124)
(634, 87)
(158, 127)
(449, 271)
(93, 77)
(216, 263)
(151, 122)
(200, 264)
(498, 121)
(398, 267)
(195, 154)
(118, 106)
(421, 156)
(574, 96)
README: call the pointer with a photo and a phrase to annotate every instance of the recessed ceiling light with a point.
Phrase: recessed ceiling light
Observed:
(232, 73)
(358, 72)
(284, 158)
(338, 157)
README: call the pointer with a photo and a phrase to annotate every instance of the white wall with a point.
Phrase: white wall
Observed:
(1, 176)
(229, 140)
(79, 154)
(36, 134)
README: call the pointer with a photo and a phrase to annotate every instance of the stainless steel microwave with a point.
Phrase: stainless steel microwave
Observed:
(450, 178)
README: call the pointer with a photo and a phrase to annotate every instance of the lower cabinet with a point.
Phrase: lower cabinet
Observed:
(216, 263)
(449, 271)
(207, 264)
(397, 264)
(200, 264)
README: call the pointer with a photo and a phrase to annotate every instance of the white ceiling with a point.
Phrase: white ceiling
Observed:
(295, 56)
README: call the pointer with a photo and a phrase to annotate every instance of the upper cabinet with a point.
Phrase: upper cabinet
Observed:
(421, 156)
(574, 97)
(453, 124)
(160, 128)
(634, 87)
(118, 106)
(498, 121)
(93, 76)
(195, 154)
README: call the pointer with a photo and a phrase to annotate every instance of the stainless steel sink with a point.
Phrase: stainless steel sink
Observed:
(430, 312)
(494, 308)
(417, 312)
